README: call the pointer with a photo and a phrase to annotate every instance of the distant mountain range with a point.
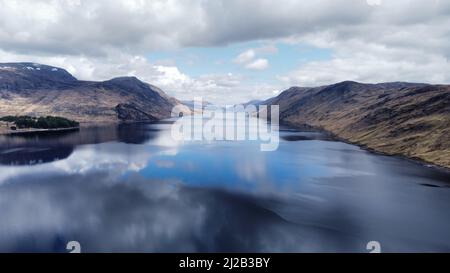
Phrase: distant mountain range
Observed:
(252, 102)
(192, 103)
(37, 90)
(397, 118)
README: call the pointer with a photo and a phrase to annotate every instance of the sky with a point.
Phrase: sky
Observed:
(232, 51)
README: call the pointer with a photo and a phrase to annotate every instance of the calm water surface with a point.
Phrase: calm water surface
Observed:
(132, 188)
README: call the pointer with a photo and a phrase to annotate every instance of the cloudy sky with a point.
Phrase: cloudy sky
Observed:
(230, 51)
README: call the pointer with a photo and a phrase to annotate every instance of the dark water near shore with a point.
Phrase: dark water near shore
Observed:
(132, 188)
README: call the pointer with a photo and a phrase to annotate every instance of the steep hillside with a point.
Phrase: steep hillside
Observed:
(40, 90)
(394, 118)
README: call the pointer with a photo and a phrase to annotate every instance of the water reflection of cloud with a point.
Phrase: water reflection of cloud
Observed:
(227, 196)
(251, 167)
(116, 158)
(144, 215)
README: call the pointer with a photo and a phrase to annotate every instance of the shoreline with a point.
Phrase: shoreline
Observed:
(4, 131)
(35, 130)
(305, 127)
(416, 160)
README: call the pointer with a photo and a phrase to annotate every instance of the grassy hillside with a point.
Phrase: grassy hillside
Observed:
(412, 120)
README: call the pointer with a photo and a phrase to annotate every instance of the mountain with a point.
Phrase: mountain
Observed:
(253, 102)
(407, 119)
(38, 90)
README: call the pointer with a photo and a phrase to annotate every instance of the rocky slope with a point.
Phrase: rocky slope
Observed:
(39, 90)
(406, 119)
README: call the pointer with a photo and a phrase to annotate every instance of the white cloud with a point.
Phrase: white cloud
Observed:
(170, 76)
(371, 40)
(93, 28)
(259, 64)
(245, 57)
(372, 63)
(250, 54)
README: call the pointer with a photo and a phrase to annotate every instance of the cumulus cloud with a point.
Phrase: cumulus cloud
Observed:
(371, 40)
(245, 57)
(372, 63)
(93, 28)
(258, 64)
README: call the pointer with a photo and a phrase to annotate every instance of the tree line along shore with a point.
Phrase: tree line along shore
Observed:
(12, 124)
